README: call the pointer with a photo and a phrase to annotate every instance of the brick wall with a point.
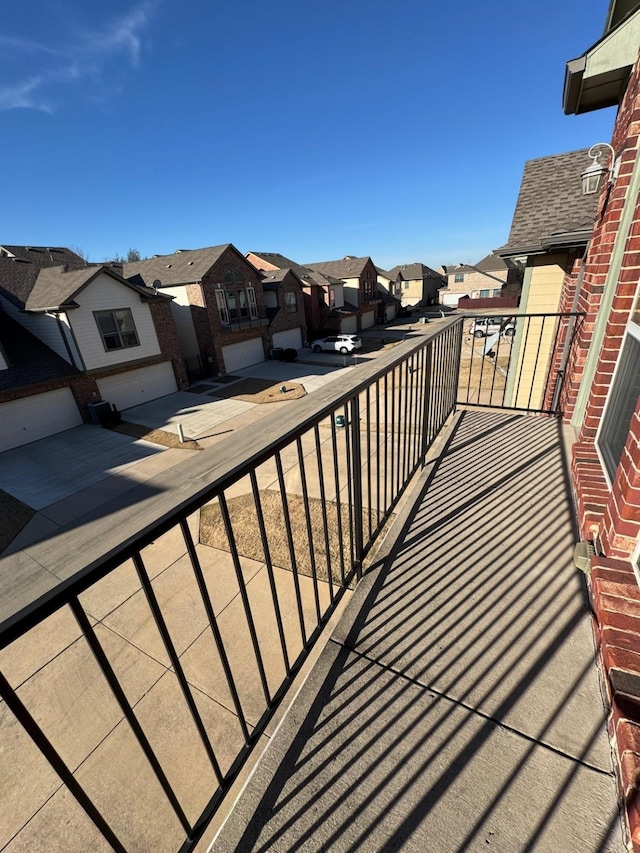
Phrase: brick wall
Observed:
(566, 327)
(284, 321)
(222, 336)
(611, 516)
(168, 338)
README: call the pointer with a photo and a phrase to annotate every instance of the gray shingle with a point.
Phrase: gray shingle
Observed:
(551, 202)
(183, 267)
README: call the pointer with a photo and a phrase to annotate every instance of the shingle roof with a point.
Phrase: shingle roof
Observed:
(19, 272)
(550, 203)
(345, 268)
(305, 273)
(30, 361)
(56, 287)
(414, 271)
(183, 267)
(274, 278)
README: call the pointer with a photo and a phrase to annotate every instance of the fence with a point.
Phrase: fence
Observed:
(136, 689)
(516, 361)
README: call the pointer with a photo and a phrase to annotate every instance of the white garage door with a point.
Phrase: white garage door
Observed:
(450, 298)
(290, 338)
(237, 356)
(349, 325)
(368, 319)
(138, 386)
(36, 417)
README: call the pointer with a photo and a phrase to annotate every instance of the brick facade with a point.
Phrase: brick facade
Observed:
(608, 515)
(168, 339)
(285, 320)
(219, 335)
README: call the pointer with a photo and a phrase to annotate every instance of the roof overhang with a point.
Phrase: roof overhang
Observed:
(598, 78)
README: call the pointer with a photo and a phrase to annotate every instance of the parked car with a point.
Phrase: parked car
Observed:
(337, 343)
(483, 326)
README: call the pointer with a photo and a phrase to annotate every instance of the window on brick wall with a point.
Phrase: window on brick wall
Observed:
(622, 400)
(485, 294)
(236, 305)
(459, 277)
(290, 302)
(117, 329)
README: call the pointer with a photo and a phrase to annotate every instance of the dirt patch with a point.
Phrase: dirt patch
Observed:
(249, 543)
(156, 436)
(14, 515)
(261, 391)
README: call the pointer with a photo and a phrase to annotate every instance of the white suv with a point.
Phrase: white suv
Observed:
(483, 326)
(337, 343)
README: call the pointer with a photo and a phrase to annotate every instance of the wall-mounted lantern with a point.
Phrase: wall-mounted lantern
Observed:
(594, 173)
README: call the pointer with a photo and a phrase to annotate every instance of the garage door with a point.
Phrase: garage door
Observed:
(237, 356)
(349, 325)
(37, 417)
(391, 313)
(138, 386)
(290, 338)
(368, 319)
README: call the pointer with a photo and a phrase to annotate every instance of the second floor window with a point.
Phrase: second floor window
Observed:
(117, 329)
(236, 305)
(290, 302)
(459, 278)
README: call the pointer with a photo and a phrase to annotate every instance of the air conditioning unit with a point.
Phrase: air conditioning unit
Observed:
(100, 412)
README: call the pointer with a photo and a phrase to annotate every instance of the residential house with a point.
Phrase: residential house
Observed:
(218, 305)
(390, 283)
(551, 227)
(74, 335)
(492, 277)
(360, 278)
(419, 284)
(324, 300)
(283, 298)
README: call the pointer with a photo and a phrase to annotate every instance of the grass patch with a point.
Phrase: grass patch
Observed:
(261, 391)
(249, 544)
(156, 436)
(14, 515)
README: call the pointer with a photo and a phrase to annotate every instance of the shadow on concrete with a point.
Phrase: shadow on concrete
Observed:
(457, 705)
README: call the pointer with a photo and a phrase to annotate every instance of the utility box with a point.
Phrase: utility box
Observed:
(100, 413)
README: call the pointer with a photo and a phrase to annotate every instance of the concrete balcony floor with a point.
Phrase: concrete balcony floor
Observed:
(457, 705)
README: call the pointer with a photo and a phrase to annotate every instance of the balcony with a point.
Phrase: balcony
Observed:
(455, 704)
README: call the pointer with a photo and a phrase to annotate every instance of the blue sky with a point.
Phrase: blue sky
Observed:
(318, 129)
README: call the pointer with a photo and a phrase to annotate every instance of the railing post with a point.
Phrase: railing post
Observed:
(356, 462)
(426, 402)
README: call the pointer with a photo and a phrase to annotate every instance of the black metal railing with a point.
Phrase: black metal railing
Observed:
(148, 676)
(516, 361)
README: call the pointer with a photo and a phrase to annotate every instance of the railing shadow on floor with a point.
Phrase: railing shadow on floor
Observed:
(459, 704)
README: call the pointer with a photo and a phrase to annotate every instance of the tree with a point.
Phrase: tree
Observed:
(133, 255)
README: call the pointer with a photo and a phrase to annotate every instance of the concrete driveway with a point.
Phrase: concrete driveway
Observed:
(204, 415)
(46, 471)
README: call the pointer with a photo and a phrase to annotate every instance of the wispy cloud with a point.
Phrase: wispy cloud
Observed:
(83, 57)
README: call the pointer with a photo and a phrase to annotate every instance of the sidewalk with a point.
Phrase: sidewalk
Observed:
(457, 706)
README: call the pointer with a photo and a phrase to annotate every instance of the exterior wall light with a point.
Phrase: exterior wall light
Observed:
(593, 174)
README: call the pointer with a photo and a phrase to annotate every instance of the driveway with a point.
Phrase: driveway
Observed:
(46, 471)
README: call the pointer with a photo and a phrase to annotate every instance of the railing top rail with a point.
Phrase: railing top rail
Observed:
(84, 554)
(480, 312)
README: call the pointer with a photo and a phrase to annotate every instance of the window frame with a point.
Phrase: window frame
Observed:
(112, 312)
(623, 374)
(458, 278)
(290, 305)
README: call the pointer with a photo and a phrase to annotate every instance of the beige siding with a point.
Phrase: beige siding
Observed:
(338, 289)
(183, 318)
(104, 294)
(534, 346)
